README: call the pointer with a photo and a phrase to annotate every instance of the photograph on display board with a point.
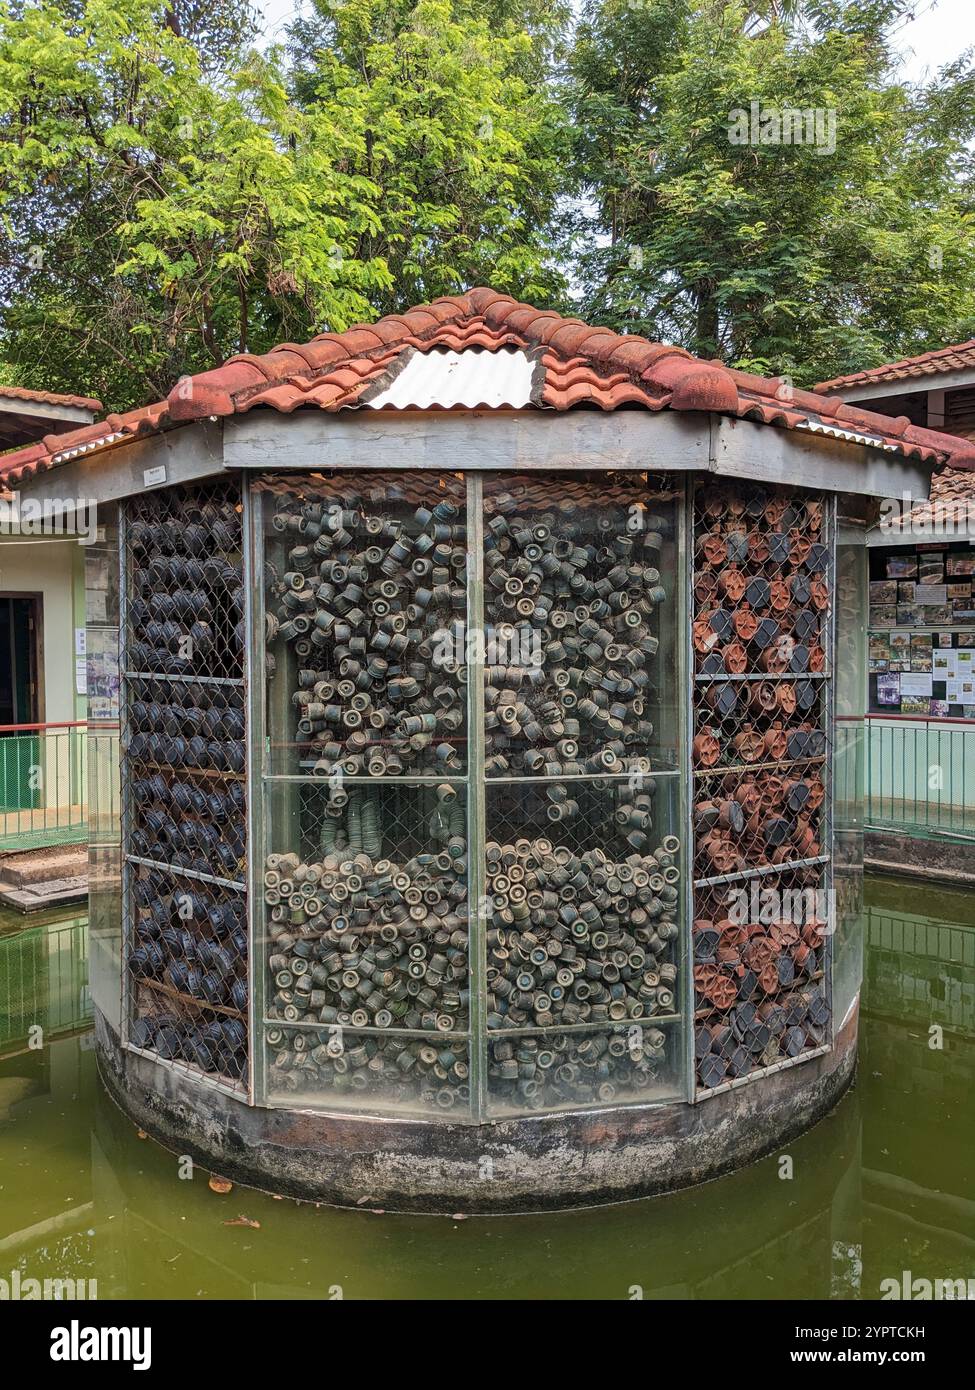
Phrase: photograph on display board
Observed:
(902, 567)
(931, 571)
(900, 651)
(889, 690)
(879, 651)
(939, 615)
(920, 651)
(885, 616)
(884, 591)
(960, 564)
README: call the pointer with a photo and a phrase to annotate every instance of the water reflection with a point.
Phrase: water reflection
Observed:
(876, 1188)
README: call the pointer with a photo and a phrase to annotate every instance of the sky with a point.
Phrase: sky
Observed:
(940, 31)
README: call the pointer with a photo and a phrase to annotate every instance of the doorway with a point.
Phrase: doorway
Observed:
(20, 622)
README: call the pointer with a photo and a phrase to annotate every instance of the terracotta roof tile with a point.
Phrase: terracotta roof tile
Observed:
(949, 512)
(579, 366)
(957, 358)
(21, 393)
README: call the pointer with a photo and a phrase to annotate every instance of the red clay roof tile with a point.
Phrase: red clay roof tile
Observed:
(581, 365)
(21, 393)
(958, 357)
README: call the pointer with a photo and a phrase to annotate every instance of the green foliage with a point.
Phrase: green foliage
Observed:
(466, 155)
(166, 202)
(169, 194)
(775, 257)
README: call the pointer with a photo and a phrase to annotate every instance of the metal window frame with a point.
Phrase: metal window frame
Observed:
(826, 858)
(239, 1090)
(259, 775)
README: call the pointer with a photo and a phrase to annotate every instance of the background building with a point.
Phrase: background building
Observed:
(42, 651)
(921, 696)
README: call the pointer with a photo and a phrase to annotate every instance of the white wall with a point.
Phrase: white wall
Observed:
(50, 568)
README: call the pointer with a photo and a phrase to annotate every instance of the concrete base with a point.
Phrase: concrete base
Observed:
(531, 1164)
(939, 858)
(32, 880)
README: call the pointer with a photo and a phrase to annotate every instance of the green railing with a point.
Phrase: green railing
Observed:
(43, 785)
(920, 776)
(43, 983)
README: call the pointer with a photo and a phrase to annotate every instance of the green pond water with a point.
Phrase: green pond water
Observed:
(882, 1186)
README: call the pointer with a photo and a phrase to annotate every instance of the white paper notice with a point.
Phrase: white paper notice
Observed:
(81, 676)
(80, 638)
(916, 683)
(931, 595)
(942, 664)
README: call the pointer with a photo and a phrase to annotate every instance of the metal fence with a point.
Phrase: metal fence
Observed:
(43, 982)
(43, 785)
(920, 776)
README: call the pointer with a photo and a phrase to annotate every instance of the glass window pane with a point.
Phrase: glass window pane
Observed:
(343, 1069)
(580, 615)
(583, 883)
(366, 990)
(366, 906)
(637, 1062)
(366, 606)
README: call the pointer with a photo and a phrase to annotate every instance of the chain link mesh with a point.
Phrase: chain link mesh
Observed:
(579, 662)
(366, 902)
(762, 588)
(366, 608)
(582, 866)
(582, 919)
(183, 785)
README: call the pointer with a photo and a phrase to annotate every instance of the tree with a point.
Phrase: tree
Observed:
(773, 256)
(167, 202)
(458, 131)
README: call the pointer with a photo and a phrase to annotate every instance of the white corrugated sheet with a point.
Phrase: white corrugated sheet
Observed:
(854, 436)
(470, 378)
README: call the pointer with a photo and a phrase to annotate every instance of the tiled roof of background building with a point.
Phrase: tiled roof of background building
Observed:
(958, 358)
(21, 393)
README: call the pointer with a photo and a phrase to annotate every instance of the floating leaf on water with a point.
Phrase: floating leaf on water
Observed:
(220, 1185)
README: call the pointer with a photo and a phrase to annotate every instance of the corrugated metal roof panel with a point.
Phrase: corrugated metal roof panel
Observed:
(444, 378)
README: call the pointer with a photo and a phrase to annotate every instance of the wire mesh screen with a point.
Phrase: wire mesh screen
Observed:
(366, 983)
(761, 638)
(579, 623)
(582, 913)
(367, 931)
(367, 916)
(366, 609)
(183, 779)
(582, 863)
